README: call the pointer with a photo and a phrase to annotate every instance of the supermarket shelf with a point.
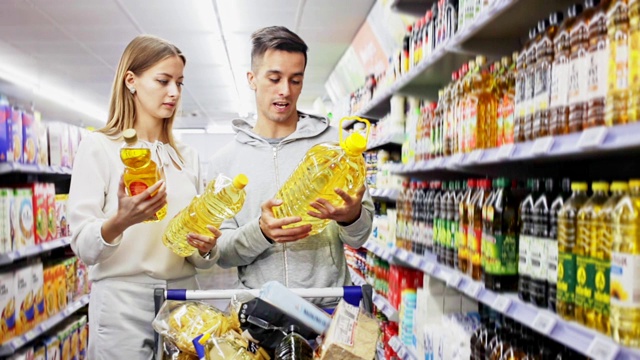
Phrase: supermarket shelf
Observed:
(380, 251)
(16, 343)
(385, 306)
(403, 352)
(13, 256)
(571, 334)
(8, 168)
(356, 278)
(394, 140)
(388, 195)
(412, 7)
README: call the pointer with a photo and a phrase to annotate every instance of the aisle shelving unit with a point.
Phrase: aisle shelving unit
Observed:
(6, 168)
(380, 301)
(393, 140)
(568, 333)
(35, 250)
(11, 346)
(389, 195)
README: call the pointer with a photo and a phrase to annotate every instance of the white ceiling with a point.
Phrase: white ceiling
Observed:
(66, 51)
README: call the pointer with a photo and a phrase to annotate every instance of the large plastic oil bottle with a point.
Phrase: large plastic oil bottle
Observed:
(618, 89)
(527, 124)
(579, 67)
(544, 59)
(460, 108)
(464, 260)
(521, 88)
(526, 237)
(559, 100)
(140, 171)
(500, 249)
(540, 245)
(222, 199)
(475, 227)
(598, 66)
(601, 255)
(567, 227)
(625, 269)
(324, 168)
(552, 250)
(506, 107)
(634, 61)
(585, 267)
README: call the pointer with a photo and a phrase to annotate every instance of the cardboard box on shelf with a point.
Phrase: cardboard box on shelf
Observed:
(25, 310)
(62, 226)
(23, 224)
(51, 212)
(16, 135)
(6, 242)
(6, 129)
(40, 213)
(58, 144)
(52, 345)
(29, 139)
(7, 306)
(38, 292)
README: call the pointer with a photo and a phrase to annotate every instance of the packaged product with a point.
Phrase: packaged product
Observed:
(29, 139)
(7, 306)
(38, 291)
(25, 312)
(352, 335)
(6, 243)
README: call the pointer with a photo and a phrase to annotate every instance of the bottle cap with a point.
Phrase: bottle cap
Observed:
(619, 186)
(240, 181)
(130, 136)
(634, 183)
(600, 186)
(579, 186)
(355, 144)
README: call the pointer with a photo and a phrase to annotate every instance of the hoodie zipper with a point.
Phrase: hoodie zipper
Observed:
(284, 246)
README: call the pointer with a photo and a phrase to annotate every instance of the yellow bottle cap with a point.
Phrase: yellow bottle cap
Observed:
(600, 186)
(634, 183)
(204, 338)
(130, 136)
(355, 144)
(619, 186)
(240, 181)
(579, 186)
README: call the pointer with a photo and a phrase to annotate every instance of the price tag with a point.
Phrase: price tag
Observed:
(454, 280)
(402, 352)
(505, 151)
(436, 163)
(475, 156)
(395, 343)
(456, 159)
(602, 349)
(430, 268)
(422, 263)
(19, 342)
(31, 334)
(544, 323)
(410, 258)
(592, 137)
(542, 145)
(501, 304)
(473, 289)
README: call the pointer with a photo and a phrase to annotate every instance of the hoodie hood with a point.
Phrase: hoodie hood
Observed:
(308, 126)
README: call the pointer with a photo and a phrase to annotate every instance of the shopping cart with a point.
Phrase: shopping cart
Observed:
(353, 295)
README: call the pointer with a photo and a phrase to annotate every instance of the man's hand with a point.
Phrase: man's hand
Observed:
(272, 227)
(345, 215)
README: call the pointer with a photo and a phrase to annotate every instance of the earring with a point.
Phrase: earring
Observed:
(133, 90)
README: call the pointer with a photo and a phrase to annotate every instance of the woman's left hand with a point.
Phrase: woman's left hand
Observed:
(204, 243)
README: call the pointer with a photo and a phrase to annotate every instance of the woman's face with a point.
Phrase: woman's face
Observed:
(158, 89)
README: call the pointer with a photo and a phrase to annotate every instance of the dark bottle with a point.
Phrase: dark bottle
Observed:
(464, 260)
(437, 198)
(475, 227)
(418, 223)
(294, 347)
(455, 223)
(434, 188)
(501, 251)
(526, 231)
(531, 83)
(598, 66)
(420, 244)
(523, 85)
(539, 246)
(552, 250)
(450, 223)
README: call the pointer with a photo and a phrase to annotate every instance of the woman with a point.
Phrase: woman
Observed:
(127, 257)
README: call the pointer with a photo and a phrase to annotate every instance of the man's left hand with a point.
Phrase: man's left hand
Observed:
(346, 214)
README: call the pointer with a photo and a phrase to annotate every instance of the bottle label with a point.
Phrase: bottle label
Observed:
(137, 187)
(634, 57)
(429, 234)
(453, 234)
(507, 122)
(475, 244)
(523, 255)
(622, 66)
(436, 231)
(578, 77)
(566, 277)
(585, 281)
(472, 123)
(520, 95)
(538, 255)
(559, 85)
(463, 250)
(529, 92)
(597, 80)
(542, 85)
(500, 256)
(625, 287)
(601, 294)
(552, 262)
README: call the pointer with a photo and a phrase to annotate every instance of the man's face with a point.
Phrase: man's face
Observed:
(277, 81)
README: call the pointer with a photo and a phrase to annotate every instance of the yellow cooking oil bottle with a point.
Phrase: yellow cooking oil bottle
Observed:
(618, 85)
(567, 226)
(625, 269)
(585, 266)
(140, 171)
(634, 61)
(601, 255)
(324, 168)
(222, 199)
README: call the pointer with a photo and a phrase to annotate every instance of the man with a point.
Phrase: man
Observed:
(255, 241)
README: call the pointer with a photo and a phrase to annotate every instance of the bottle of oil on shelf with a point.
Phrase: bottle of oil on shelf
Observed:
(482, 108)
(601, 255)
(538, 290)
(434, 190)
(140, 172)
(418, 219)
(526, 232)
(579, 66)
(559, 101)
(449, 222)
(324, 167)
(456, 236)
(475, 226)
(408, 216)
(464, 260)
(618, 89)
(400, 217)
(544, 60)
(598, 66)
(437, 220)
(506, 107)
(634, 61)
(522, 87)
(625, 269)
(531, 80)
(567, 227)
(500, 249)
(552, 250)
(585, 267)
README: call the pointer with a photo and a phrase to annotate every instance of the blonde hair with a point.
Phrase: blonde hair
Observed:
(142, 53)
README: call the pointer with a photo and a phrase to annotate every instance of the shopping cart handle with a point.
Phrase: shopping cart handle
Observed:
(352, 295)
(177, 294)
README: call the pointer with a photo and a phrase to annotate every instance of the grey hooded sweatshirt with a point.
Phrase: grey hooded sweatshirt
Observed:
(317, 261)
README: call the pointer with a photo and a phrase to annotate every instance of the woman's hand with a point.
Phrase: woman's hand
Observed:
(204, 243)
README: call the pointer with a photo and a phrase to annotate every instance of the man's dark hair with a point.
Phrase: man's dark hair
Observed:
(277, 38)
